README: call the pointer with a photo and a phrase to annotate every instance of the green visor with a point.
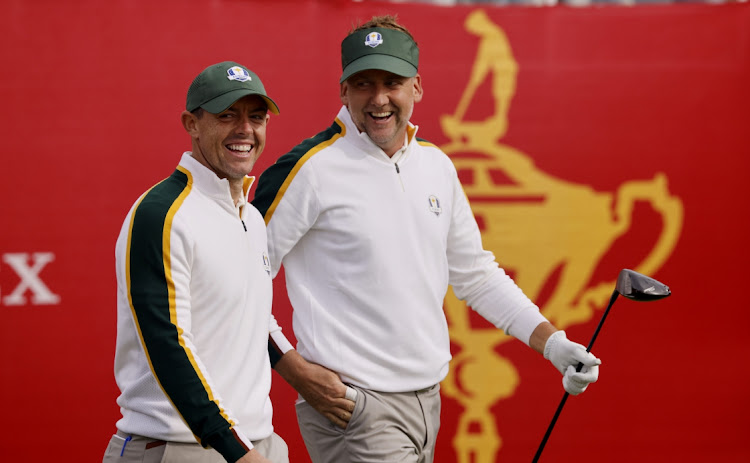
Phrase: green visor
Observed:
(379, 48)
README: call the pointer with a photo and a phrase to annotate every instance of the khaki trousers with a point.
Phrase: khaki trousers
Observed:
(384, 428)
(141, 449)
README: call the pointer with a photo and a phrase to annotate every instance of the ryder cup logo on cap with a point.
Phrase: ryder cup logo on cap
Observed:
(373, 39)
(239, 74)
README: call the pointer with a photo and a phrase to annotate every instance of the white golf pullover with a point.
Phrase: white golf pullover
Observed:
(194, 315)
(369, 247)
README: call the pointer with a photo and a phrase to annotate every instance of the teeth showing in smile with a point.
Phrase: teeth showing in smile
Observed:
(385, 114)
(244, 148)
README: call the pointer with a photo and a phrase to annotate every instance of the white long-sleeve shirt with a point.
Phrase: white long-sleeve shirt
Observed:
(194, 295)
(369, 246)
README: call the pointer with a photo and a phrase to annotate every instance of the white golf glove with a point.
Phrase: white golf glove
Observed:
(565, 356)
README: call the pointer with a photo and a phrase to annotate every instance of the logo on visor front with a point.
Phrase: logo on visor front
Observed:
(373, 39)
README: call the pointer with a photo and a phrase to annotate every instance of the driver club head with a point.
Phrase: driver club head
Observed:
(639, 287)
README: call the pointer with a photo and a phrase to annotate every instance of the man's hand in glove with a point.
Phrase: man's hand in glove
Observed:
(565, 356)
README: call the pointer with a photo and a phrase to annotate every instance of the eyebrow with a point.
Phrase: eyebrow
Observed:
(260, 108)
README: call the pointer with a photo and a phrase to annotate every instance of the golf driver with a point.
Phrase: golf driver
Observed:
(632, 285)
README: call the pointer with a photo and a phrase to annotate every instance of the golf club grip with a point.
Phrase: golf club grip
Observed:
(598, 327)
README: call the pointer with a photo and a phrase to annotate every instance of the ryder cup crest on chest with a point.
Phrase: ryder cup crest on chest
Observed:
(434, 205)
(266, 263)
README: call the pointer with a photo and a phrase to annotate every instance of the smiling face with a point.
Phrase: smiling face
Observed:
(230, 142)
(381, 104)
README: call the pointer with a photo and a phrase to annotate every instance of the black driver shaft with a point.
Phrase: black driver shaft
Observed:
(580, 365)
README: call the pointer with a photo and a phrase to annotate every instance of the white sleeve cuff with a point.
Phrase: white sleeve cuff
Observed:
(524, 324)
(281, 341)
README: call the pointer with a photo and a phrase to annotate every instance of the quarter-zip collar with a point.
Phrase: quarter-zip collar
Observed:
(206, 181)
(362, 141)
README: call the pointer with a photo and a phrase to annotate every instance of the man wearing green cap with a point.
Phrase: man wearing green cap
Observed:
(372, 225)
(194, 293)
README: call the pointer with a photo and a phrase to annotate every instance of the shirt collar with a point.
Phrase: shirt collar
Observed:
(363, 141)
(211, 185)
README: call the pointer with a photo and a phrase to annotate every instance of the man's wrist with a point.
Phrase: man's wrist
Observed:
(540, 335)
(289, 366)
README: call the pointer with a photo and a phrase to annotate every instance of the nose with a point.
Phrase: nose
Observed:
(244, 126)
(379, 95)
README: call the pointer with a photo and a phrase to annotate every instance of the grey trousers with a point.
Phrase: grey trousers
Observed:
(385, 427)
(144, 450)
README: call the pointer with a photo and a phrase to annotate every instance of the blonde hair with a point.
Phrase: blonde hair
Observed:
(386, 21)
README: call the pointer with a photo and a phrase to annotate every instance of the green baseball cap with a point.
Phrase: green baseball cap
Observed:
(379, 48)
(218, 86)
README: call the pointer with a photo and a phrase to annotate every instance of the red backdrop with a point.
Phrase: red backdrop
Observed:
(602, 97)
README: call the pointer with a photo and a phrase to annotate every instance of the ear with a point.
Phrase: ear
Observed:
(418, 91)
(343, 92)
(190, 123)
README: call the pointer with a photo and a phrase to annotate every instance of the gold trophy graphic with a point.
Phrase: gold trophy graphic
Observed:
(542, 228)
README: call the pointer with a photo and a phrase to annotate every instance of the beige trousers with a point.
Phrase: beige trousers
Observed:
(384, 428)
(141, 449)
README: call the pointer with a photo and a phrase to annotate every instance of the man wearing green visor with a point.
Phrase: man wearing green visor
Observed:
(194, 293)
(371, 225)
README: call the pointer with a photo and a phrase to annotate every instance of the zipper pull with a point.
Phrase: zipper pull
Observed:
(243, 224)
(398, 172)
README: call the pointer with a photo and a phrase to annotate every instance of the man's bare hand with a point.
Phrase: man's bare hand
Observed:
(319, 386)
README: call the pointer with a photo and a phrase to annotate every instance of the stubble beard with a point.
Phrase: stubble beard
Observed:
(384, 138)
